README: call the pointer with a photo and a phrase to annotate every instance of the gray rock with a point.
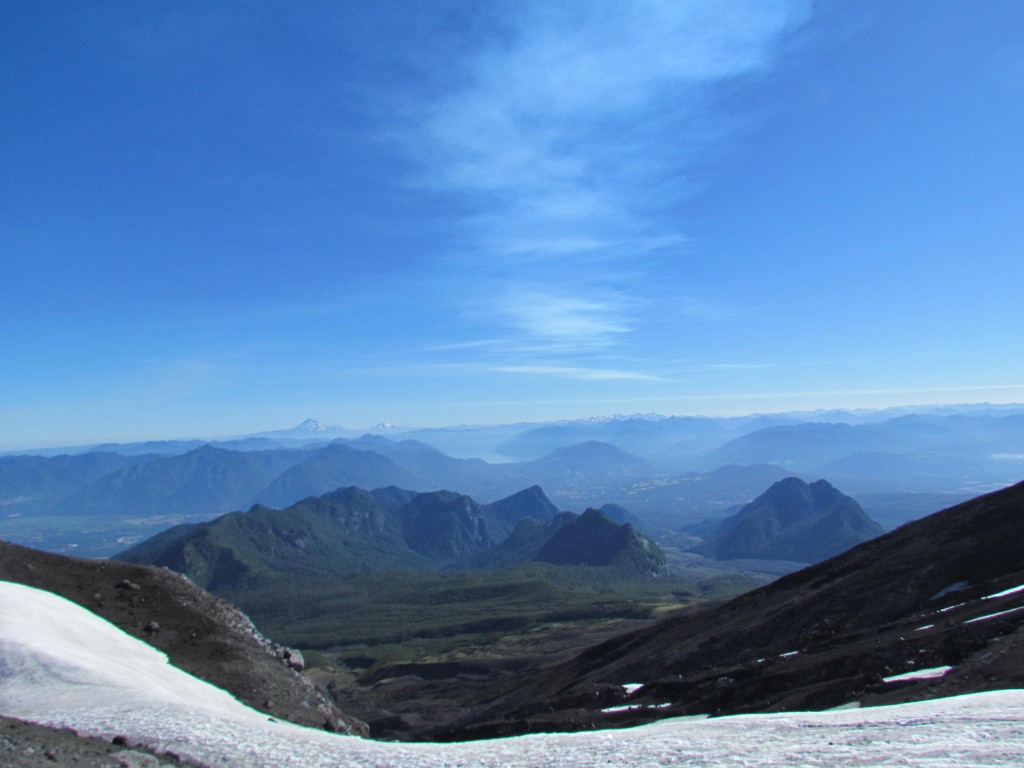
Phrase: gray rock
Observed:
(131, 759)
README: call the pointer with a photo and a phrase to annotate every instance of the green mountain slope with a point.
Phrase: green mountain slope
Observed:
(793, 520)
(347, 531)
(593, 539)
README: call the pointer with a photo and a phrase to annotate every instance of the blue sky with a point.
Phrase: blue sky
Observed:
(220, 217)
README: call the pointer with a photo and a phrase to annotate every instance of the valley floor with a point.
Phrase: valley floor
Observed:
(61, 665)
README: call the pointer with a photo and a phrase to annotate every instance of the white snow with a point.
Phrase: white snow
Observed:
(926, 626)
(787, 654)
(632, 688)
(1005, 592)
(918, 674)
(629, 707)
(621, 708)
(61, 665)
(994, 615)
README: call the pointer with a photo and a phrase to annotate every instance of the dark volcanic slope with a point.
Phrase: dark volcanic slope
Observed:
(900, 602)
(200, 633)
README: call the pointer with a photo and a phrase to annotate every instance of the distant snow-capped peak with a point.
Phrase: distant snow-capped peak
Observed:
(613, 417)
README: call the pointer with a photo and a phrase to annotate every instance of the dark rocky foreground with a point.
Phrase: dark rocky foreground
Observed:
(822, 637)
(201, 634)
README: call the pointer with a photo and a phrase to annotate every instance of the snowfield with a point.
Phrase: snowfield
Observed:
(62, 665)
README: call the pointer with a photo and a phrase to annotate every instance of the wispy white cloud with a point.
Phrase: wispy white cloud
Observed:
(557, 117)
(553, 317)
(466, 345)
(578, 86)
(716, 367)
(568, 135)
(591, 247)
(1008, 456)
(581, 373)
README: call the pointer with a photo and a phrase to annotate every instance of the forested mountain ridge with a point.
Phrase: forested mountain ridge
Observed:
(352, 530)
(794, 521)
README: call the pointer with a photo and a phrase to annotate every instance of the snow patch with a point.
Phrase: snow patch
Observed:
(62, 665)
(630, 707)
(994, 615)
(1005, 592)
(632, 688)
(918, 674)
(623, 708)
(47, 642)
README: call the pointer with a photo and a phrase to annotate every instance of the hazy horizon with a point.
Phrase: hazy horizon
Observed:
(400, 430)
(220, 219)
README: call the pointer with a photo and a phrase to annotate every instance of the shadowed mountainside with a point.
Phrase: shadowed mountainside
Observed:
(594, 539)
(941, 591)
(794, 521)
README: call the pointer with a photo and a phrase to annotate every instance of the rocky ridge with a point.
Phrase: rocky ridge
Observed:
(200, 633)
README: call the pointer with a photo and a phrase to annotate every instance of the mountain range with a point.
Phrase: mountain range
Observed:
(933, 609)
(352, 530)
(668, 472)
